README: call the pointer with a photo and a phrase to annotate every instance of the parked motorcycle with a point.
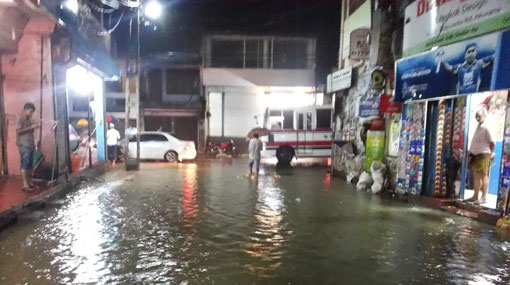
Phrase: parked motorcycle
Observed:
(213, 149)
(227, 148)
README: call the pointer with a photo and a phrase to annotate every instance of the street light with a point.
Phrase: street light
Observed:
(71, 5)
(152, 10)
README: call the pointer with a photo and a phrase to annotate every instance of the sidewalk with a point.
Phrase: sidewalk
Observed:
(13, 201)
(11, 194)
(455, 206)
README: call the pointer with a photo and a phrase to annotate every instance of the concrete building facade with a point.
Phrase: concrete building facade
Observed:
(243, 75)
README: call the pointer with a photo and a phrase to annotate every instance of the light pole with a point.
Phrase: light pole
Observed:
(152, 10)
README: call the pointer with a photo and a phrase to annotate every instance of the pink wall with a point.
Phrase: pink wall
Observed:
(22, 84)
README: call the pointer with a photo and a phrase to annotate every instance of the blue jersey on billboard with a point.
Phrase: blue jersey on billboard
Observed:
(466, 67)
(469, 73)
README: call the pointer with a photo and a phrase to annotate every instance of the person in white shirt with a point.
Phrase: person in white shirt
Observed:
(112, 139)
(482, 152)
(254, 149)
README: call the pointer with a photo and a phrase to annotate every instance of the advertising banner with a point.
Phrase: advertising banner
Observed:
(471, 66)
(360, 47)
(369, 107)
(375, 148)
(361, 18)
(430, 23)
(388, 106)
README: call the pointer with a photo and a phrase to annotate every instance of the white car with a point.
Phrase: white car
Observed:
(162, 146)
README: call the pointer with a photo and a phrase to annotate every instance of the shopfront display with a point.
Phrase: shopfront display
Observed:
(495, 105)
(86, 96)
(504, 184)
(410, 160)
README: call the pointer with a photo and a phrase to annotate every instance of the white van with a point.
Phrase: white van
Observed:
(298, 132)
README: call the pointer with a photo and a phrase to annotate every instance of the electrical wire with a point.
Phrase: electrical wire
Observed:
(114, 27)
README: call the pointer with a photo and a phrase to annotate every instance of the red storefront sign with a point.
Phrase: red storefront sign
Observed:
(387, 106)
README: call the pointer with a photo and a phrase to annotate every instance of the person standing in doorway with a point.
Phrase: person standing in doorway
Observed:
(112, 140)
(254, 149)
(25, 128)
(482, 152)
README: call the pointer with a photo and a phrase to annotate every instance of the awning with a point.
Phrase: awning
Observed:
(82, 50)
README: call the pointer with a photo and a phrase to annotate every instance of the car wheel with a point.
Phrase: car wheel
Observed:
(171, 156)
(284, 155)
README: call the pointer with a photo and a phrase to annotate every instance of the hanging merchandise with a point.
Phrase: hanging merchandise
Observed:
(394, 135)
(447, 155)
(443, 149)
(504, 183)
(439, 150)
(411, 149)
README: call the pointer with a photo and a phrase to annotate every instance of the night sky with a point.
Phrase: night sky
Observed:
(186, 21)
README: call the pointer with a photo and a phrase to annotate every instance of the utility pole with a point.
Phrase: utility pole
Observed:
(133, 164)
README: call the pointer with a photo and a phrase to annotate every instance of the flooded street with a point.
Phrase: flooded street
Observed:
(208, 223)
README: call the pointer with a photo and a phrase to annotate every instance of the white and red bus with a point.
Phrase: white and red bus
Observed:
(298, 132)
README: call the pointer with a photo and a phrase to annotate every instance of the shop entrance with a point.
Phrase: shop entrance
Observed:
(494, 103)
(451, 125)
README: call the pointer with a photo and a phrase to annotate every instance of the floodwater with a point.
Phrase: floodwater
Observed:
(208, 223)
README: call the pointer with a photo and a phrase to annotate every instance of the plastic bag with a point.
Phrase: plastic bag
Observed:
(378, 170)
(365, 181)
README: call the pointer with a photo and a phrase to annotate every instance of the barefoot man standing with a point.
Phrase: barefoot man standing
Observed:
(254, 149)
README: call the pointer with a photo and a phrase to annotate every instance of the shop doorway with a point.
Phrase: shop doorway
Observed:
(495, 105)
(87, 117)
(183, 128)
(451, 124)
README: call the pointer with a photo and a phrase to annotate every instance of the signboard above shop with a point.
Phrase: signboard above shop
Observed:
(431, 23)
(360, 18)
(470, 66)
(339, 80)
(360, 46)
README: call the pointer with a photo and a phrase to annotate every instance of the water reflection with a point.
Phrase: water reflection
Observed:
(189, 196)
(83, 235)
(268, 237)
(210, 224)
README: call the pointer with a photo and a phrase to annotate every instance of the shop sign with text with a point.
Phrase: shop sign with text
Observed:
(360, 46)
(470, 66)
(388, 106)
(430, 23)
(339, 80)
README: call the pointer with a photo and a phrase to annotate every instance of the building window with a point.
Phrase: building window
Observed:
(290, 54)
(112, 86)
(155, 80)
(227, 53)
(115, 105)
(261, 52)
(183, 81)
(254, 57)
